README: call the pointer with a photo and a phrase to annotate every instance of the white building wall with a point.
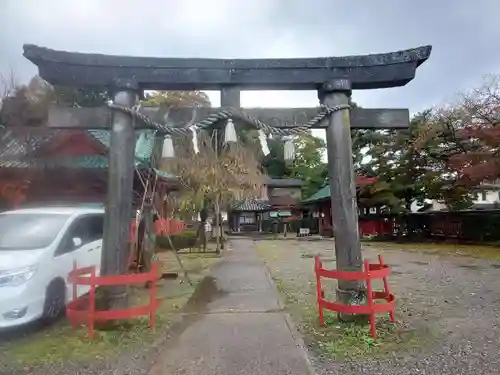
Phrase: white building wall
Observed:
(488, 196)
(485, 196)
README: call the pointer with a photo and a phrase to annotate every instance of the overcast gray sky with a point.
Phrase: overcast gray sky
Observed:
(465, 36)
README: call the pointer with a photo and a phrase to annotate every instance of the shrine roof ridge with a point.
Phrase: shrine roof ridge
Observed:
(91, 69)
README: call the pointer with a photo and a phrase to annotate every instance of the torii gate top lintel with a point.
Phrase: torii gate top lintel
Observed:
(372, 71)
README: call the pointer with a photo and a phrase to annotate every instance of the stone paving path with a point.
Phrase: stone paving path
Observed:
(241, 328)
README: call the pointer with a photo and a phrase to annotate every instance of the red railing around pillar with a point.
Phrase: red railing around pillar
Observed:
(83, 308)
(370, 272)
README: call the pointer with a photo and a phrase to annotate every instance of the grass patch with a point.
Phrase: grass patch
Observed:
(292, 271)
(338, 340)
(61, 343)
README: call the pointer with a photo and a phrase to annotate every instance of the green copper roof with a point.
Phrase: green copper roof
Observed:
(324, 192)
(321, 194)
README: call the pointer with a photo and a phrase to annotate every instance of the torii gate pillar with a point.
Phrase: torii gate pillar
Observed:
(118, 213)
(342, 185)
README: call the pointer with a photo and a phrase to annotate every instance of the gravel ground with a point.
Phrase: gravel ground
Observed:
(458, 296)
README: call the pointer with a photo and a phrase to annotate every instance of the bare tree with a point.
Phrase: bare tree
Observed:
(21, 105)
(8, 83)
(215, 176)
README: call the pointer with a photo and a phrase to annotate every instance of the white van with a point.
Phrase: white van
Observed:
(37, 249)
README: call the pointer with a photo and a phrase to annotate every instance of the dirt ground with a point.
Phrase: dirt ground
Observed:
(448, 308)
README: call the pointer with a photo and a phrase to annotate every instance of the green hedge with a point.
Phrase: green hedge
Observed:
(184, 240)
(480, 227)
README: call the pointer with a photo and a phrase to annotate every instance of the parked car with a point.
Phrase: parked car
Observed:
(37, 249)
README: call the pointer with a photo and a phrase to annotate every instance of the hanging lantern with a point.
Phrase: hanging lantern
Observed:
(263, 142)
(230, 132)
(168, 148)
(289, 149)
(195, 139)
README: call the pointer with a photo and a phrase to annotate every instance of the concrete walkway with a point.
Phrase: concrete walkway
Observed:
(241, 328)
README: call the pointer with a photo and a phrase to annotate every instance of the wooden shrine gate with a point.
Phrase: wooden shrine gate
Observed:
(332, 77)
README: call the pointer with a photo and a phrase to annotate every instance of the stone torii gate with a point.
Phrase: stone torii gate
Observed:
(332, 77)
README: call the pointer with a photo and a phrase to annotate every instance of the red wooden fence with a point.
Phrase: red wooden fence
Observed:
(370, 272)
(83, 309)
(163, 227)
(376, 227)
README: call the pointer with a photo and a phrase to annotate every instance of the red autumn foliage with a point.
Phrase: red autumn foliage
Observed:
(477, 134)
(363, 181)
(14, 193)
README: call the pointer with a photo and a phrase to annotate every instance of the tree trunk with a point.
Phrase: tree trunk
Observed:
(148, 245)
(201, 229)
(408, 226)
(221, 231)
(217, 224)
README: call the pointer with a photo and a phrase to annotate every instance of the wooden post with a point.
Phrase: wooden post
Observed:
(120, 186)
(152, 293)
(373, 330)
(92, 303)
(148, 245)
(319, 290)
(229, 98)
(74, 293)
(342, 187)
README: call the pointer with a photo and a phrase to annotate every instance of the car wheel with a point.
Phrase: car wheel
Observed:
(55, 301)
